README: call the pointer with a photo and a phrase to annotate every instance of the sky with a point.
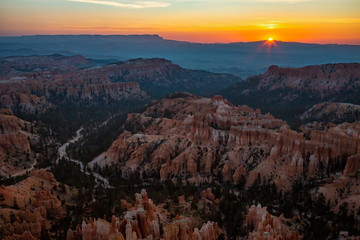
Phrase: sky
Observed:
(206, 21)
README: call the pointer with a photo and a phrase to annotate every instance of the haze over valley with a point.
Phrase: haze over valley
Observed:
(244, 59)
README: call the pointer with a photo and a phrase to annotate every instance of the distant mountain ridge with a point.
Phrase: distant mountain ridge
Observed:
(27, 82)
(288, 92)
(17, 65)
(160, 77)
(242, 58)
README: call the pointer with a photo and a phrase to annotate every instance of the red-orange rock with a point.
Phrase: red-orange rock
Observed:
(183, 137)
(201, 139)
(332, 112)
(28, 204)
(14, 143)
(352, 165)
(267, 226)
(181, 199)
(314, 77)
(143, 222)
(208, 231)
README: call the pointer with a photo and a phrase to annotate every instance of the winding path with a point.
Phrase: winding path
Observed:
(62, 154)
(23, 172)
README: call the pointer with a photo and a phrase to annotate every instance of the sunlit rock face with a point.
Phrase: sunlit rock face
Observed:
(143, 221)
(207, 139)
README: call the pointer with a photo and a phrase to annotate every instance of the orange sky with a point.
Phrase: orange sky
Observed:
(318, 21)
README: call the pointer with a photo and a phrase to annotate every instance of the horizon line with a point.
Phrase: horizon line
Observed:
(185, 41)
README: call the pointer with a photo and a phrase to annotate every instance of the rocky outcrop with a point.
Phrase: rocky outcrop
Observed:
(208, 203)
(160, 76)
(30, 206)
(23, 101)
(295, 157)
(59, 79)
(33, 95)
(34, 66)
(143, 221)
(203, 139)
(332, 112)
(324, 79)
(14, 143)
(56, 81)
(192, 137)
(181, 228)
(342, 194)
(208, 231)
(10, 123)
(266, 226)
(352, 165)
(289, 92)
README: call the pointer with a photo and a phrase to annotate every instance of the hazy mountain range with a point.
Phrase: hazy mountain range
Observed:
(242, 58)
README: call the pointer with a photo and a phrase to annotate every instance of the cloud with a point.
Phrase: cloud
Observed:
(134, 5)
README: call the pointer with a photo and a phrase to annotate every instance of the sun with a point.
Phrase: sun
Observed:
(269, 43)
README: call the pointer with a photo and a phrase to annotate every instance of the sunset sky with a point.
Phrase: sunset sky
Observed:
(318, 21)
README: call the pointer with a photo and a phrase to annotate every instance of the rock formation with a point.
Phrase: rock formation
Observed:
(14, 143)
(324, 79)
(27, 206)
(294, 157)
(59, 78)
(193, 137)
(266, 226)
(332, 112)
(159, 76)
(352, 165)
(201, 139)
(33, 66)
(184, 138)
(33, 95)
(289, 92)
(143, 221)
